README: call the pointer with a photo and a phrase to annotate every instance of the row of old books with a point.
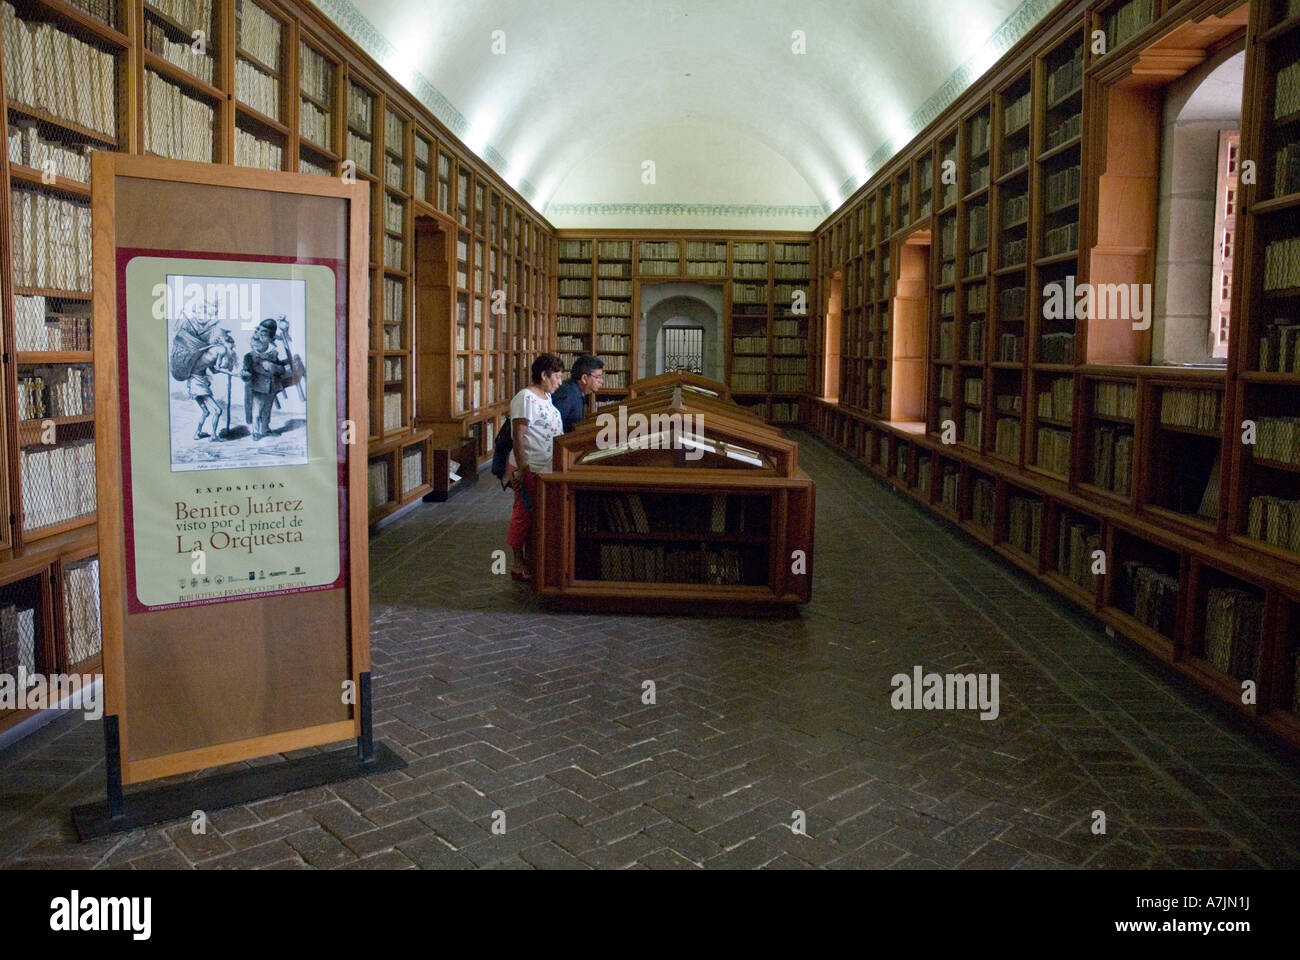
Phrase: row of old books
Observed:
(972, 428)
(1056, 347)
(705, 268)
(923, 473)
(1014, 158)
(791, 271)
(705, 250)
(1062, 188)
(1286, 170)
(1195, 409)
(180, 53)
(1057, 401)
(1011, 348)
(51, 70)
(788, 382)
(18, 641)
(1278, 438)
(616, 308)
(785, 328)
(613, 288)
(58, 482)
(977, 263)
(616, 250)
(1127, 22)
(663, 564)
(412, 468)
(1234, 627)
(378, 483)
(788, 346)
(314, 124)
(977, 227)
(1067, 129)
(978, 180)
(81, 611)
(253, 151)
(359, 151)
(947, 340)
(1274, 520)
(36, 329)
(573, 268)
(1112, 460)
(790, 364)
(315, 77)
(1006, 441)
(658, 250)
(1075, 543)
(1113, 399)
(749, 293)
(567, 344)
(575, 288)
(978, 131)
(394, 213)
(1279, 347)
(393, 410)
(1064, 239)
(977, 298)
(179, 126)
(572, 305)
(574, 250)
(257, 33)
(748, 345)
(974, 342)
(1063, 79)
(1015, 209)
(1012, 404)
(393, 368)
(950, 488)
(1282, 264)
(983, 501)
(1149, 596)
(614, 342)
(789, 252)
(259, 90)
(1025, 524)
(627, 513)
(50, 241)
(62, 391)
(615, 363)
(361, 111)
(618, 269)
(1286, 97)
(1011, 303)
(393, 250)
(1054, 450)
(972, 390)
(29, 148)
(618, 381)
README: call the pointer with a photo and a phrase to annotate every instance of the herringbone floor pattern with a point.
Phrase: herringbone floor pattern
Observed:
(499, 706)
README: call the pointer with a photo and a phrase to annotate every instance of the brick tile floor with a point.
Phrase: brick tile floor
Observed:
(499, 706)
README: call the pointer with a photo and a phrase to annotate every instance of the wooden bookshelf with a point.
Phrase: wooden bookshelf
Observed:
(1034, 414)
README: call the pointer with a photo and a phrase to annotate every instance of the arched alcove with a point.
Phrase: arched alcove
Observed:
(680, 305)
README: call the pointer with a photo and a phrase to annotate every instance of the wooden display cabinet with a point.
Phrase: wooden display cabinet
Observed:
(638, 525)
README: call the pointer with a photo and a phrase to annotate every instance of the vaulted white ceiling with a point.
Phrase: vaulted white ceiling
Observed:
(755, 113)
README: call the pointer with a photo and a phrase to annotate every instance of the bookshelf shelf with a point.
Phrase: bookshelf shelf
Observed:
(67, 127)
(183, 77)
(73, 188)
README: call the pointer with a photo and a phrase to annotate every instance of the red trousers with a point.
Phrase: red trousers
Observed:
(521, 518)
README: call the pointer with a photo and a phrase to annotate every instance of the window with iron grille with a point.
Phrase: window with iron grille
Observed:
(684, 349)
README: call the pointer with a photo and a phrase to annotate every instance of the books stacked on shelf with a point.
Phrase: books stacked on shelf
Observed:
(29, 148)
(982, 500)
(570, 344)
(977, 263)
(62, 391)
(1014, 210)
(574, 268)
(670, 564)
(947, 340)
(900, 462)
(1056, 348)
(972, 389)
(1286, 170)
(1194, 409)
(1007, 439)
(50, 241)
(1053, 451)
(37, 329)
(1286, 96)
(616, 308)
(1011, 404)
(316, 77)
(81, 611)
(1067, 129)
(1274, 520)
(748, 345)
(179, 126)
(618, 381)
(1062, 188)
(947, 303)
(1113, 399)
(613, 342)
(259, 90)
(883, 449)
(1063, 79)
(575, 288)
(1282, 264)
(1061, 240)
(786, 328)
(749, 293)
(788, 346)
(979, 177)
(786, 411)
(180, 53)
(1234, 628)
(574, 250)
(392, 368)
(1278, 439)
(1149, 596)
(1025, 524)
(392, 410)
(977, 227)
(308, 166)
(18, 641)
(951, 487)
(252, 151)
(1015, 158)
(54, 71)
(978, 128)
(1279, 347)
(1126, 21)
(1011, 303)
(971, 428)
(412, 469)
(923, 473)
(1112, 460)
(1057, 401)
(945, 383)
(612, 249)
(1075, 543)
(257, 33)
(58, 483)
(974, 342)
(744, 270)
(1015, 115)
(616, 269)
(1011, 348)
(378, 474)
(610, 288)
(575, 305)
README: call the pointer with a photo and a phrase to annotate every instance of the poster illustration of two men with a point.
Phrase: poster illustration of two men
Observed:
(238, 380)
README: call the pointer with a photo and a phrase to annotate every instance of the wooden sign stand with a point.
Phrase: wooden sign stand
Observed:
(234, 576)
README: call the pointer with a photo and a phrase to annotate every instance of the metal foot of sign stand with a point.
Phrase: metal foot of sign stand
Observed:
(119, 813)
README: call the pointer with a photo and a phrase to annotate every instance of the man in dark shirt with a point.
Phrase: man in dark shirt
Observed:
(570, 399)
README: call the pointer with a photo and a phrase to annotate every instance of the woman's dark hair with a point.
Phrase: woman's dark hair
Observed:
(544, 364)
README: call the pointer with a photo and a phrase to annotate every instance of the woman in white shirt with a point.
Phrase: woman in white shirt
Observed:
(534, 425)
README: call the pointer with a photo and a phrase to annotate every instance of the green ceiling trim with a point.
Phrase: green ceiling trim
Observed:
(815, 210)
